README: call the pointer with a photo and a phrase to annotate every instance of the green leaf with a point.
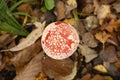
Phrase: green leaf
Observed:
(49, 4)
(43, 9)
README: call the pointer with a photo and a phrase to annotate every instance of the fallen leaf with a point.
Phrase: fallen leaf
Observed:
(32, 69)
(71, 4)
(89, 53)
(112, 69)
(6, 39)
(60, 9)
(71, 75)
(71, 21)
(42, 76)
(103, 12)
(31, 38)
(100, 68)
(55, 68)
(25, 7)
(22, 57)
(77, 24)
(109, 54)
(116, 6)
(86, 77)
(102, 36)
(87, 10)
(89, 40)
(91, 23)
(98, 77)
(107, 1)
(112, 26)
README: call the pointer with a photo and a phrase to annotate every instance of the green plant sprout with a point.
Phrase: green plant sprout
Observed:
(7, 21)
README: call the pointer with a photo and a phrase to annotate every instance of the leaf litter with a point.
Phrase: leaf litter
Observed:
(97, 56)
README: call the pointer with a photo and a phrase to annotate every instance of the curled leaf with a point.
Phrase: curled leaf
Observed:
(31, 38)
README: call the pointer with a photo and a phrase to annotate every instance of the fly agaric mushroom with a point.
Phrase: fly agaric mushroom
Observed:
(59, 40)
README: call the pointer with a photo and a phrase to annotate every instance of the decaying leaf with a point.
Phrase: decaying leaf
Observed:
(100, 68)
(31, 38)
(116, 6)
(57, 68)
(6, 39)
(112, 26)
(60, 9)
(102, 36)
(107, 1)
(91, 23)
(87, 10)
(109, 54)
(71, 75)
(25, 7)
(71, 21)
(22, 57)
(89, 40)
(42, 76)
(71, 4)
(86, 77)
(111, 69)
(32, 69)
(89, 53)
(103, 12)
(98, 77)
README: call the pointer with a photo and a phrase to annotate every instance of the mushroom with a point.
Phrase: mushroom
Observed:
(59, 40)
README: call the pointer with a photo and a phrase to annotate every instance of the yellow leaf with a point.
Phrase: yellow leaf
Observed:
(72, 2)
(102, 36)
(100, 68)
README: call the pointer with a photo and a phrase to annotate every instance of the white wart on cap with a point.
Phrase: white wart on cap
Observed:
(59, 40)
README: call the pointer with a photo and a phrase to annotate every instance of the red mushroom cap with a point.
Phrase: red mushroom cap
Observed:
(59, 40)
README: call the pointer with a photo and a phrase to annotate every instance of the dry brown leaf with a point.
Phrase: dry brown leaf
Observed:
(109, 54)
(55, 68)
(6, 39)
(116, 6)
(89, 53)
(98, 77)
(107, 1)
(31, 38)
(112, 26)
(71, 75)
(87, 10)
(25, 7)
(25, 55)
(60, 9)
(111, 68)
(102, 36)
(42, 76)
(89, 40)
(103, 12)
(86, 77)
(32, 69)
